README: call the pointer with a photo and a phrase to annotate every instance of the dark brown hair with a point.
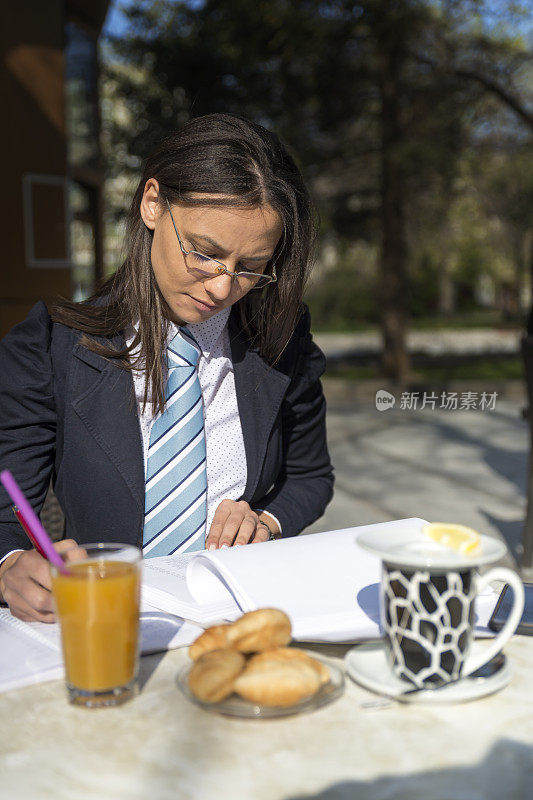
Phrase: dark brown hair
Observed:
(246, 165)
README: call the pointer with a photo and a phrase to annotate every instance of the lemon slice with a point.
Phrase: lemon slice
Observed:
(458, 537)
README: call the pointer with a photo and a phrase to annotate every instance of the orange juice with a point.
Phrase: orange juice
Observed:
(98, 607)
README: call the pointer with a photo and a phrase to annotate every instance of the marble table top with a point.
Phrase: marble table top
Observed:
(161, 746)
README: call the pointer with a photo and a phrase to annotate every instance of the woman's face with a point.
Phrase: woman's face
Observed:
(242, 239)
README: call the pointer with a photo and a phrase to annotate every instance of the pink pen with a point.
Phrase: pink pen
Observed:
(28, 532)
(31, 520)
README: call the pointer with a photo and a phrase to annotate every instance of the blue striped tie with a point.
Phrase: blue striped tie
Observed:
(176, 478)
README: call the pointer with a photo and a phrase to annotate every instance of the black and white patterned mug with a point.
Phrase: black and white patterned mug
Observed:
(428, 619)
(428, 607)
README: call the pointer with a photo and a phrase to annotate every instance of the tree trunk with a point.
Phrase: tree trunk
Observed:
(393, 273)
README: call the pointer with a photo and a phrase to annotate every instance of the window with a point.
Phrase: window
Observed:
(81, 75)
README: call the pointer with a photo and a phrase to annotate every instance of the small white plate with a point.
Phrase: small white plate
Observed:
(410, 548)
(367, 665)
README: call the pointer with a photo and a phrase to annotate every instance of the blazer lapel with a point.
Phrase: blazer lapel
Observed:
(260, 391)
(104, 400)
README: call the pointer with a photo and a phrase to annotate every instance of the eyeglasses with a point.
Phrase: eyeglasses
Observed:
(207, 267)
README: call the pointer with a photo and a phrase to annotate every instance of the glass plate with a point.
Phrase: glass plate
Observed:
(235, 706)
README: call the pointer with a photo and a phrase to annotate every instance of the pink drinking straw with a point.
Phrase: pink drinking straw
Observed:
(32, 520)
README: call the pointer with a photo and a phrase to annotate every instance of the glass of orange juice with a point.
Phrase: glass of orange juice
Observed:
(97, 604)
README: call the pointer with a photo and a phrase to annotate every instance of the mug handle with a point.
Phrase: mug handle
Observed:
(511, 623)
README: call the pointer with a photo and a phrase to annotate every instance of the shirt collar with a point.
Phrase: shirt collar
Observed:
(206, 333)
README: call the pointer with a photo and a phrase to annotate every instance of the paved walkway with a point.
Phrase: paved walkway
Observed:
(467, 466)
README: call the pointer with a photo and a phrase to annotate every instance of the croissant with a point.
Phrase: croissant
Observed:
(259, 630)
(214, 638)
(275, 682)
(212, 676)
(291, 654)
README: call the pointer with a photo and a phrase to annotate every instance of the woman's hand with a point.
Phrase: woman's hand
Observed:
(235, 523)
(26, 584)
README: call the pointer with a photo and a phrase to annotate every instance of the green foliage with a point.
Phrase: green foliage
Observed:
(418, 108)
(342, 300)
(424, 286)
(471, 265)
(478, 318)
(511, 368)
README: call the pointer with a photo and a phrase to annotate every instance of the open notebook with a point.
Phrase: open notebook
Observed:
(327, 585)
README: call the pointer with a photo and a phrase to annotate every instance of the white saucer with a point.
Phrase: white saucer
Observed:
(366, 664)
(409, 547)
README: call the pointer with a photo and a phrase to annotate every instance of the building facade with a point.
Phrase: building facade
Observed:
(52, 167)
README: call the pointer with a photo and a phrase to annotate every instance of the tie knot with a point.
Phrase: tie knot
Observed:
(183, 350)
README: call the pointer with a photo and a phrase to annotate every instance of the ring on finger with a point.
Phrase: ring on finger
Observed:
(269, 531)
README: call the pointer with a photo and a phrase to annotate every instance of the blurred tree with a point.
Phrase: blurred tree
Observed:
(345, 297)
(508, 197)
(378, 98)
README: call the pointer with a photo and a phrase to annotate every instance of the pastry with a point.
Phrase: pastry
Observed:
(260, 630)
(291, 654)
(212, 676)
(277, 682)
(214, 638)
(274, 676)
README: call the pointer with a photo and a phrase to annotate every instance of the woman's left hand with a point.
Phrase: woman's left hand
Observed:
(235, 523)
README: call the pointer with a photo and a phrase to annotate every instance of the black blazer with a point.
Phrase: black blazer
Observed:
(70, 416)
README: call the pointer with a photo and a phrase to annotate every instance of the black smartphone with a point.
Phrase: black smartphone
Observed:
(504, 605)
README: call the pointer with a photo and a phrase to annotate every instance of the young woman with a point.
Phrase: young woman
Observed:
(180, 407)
